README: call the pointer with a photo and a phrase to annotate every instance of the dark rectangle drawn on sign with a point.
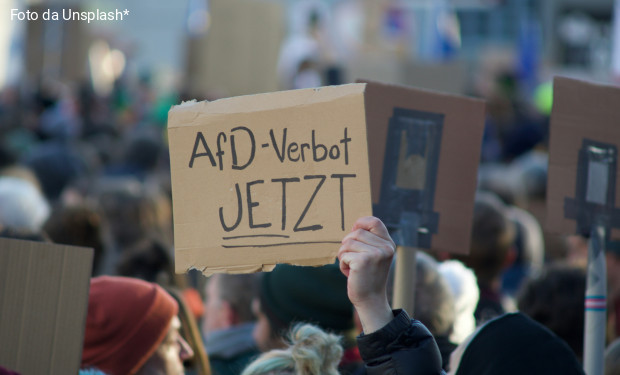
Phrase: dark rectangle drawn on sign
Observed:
(595, 192)
(410, 176)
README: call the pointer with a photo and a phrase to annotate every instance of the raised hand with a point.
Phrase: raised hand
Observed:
(365, 257)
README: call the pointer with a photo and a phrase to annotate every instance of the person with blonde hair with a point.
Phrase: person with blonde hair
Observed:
(310, 351)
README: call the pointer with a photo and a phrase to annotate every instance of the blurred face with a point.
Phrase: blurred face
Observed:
(216, 310)
(262, 334)
(169, 356)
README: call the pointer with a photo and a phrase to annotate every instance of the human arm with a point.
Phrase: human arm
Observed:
(365, 257)
(391, 342)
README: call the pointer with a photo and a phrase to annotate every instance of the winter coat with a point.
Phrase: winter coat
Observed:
(403, 346)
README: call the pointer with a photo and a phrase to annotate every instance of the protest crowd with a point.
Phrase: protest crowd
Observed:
(78, 168)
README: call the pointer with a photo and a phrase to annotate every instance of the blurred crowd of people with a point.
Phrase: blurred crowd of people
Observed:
(84, 170)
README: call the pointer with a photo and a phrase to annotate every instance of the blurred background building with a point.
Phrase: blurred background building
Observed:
(232, 47)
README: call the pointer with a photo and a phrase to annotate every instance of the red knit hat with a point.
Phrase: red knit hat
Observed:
(127, 320)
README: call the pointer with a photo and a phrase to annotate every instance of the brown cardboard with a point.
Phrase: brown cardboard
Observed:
(447, 77)
(389, 67)
(581, 110)
(43, 306)
(66, 59)
(202, 192)
(239, 53)
(459, 155)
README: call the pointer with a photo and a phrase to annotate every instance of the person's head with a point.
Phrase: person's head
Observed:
(291, 294)
(463, 283)
(128, 209)
(310, 351)
(612, 358)
(555, 299)
(143, 150)
(228, 301)
(148, 259)
(433, 301)
(22, 206)
(56, 165)
(492, 239)
(529, 242)
(78, 225)
(513, 344)
(20, 171)
(132, 328)
(170, 353)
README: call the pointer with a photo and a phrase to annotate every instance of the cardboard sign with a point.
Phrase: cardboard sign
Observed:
(583, 174)
(425, 149)
(238, 57)
(43, 305)
(269, 178)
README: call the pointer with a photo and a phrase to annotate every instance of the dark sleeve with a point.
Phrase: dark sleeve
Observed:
(403, 346)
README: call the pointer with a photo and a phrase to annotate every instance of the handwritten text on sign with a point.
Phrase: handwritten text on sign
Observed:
(284, 151)
(286, 172)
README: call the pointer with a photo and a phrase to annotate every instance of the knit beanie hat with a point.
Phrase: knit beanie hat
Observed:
(22, 206)
(462, 281)
(307, 294)
(127, 320)
(516, 344)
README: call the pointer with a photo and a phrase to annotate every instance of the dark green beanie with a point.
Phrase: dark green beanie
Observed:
(315, 295)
